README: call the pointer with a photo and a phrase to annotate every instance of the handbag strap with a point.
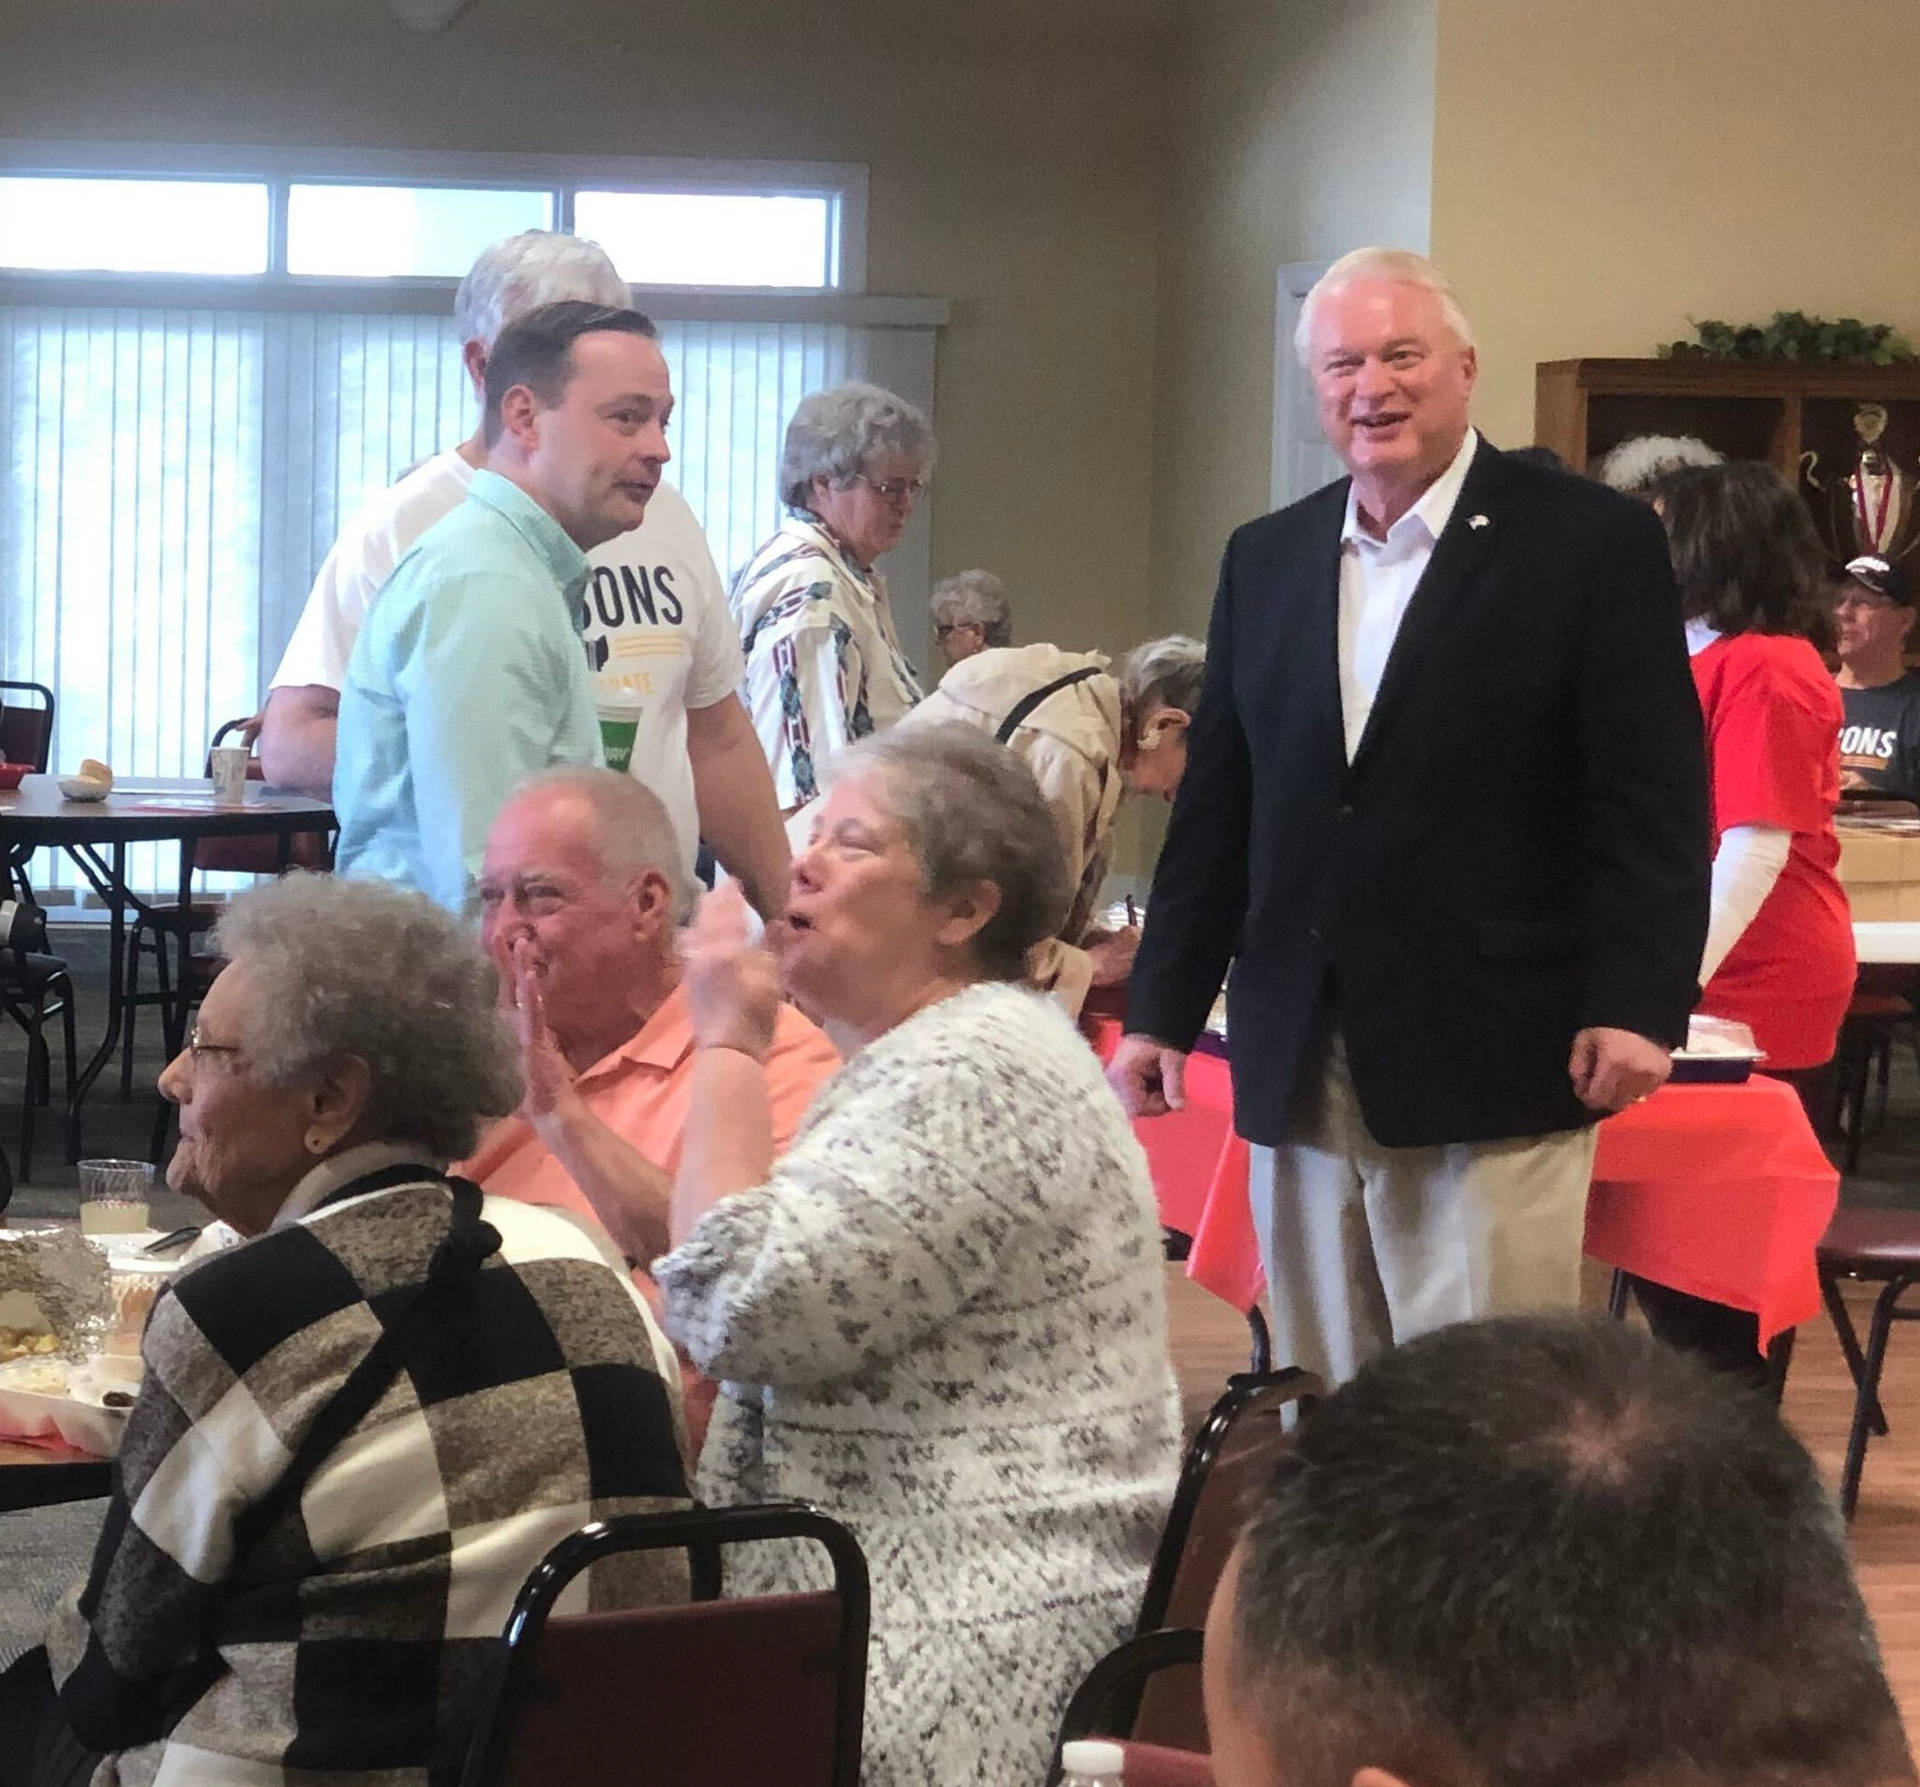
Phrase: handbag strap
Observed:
(1017, 714)
(455, 1264)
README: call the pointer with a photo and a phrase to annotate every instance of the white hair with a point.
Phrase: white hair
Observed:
(523, 272)
(1643, 459)
(1165, 672)
(1398, 266)
(632, 830)
(974, 599)
(837, 433)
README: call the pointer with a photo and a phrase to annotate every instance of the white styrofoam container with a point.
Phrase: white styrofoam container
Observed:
(78, 1418)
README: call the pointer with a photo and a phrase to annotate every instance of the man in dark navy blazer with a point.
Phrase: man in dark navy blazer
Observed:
(1445, 814)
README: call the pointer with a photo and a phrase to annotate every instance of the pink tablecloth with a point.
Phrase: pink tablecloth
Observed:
(1718, 1190)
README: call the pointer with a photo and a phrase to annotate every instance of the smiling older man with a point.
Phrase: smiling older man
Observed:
(1445, 803)
(580, 891)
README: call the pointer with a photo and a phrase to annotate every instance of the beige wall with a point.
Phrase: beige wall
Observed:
(1304, 130)
(1602, 173)
(1013, 168)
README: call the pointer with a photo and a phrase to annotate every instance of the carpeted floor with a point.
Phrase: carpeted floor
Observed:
(45, 1552)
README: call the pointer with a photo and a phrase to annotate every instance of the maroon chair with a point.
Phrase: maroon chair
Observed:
(1105, 1706)
(156, 928)
(713, 1693)
(1153, 1765)
(26, 736)
(1875, 1021)
(1226, 1467)
(1880, 1247)
(26, 727)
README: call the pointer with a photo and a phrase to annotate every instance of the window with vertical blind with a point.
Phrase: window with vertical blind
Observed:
(181, 451)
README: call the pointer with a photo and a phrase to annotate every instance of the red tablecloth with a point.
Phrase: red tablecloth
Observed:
(1718, 1190)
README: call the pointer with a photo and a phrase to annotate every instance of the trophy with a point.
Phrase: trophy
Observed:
(1871, 508)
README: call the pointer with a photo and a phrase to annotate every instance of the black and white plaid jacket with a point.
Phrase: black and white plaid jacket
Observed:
(349, 1638)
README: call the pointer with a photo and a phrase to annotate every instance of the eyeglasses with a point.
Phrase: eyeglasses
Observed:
(956, 626)
(894, 490)
(198, 1046)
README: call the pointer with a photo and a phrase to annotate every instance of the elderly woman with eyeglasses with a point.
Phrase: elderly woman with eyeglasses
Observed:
(940, 1314)
(360, 1428)
(824, 662)
(971, 614)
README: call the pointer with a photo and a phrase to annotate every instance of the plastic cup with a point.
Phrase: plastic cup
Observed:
(113, 1196)
(229, 768)
(618, 726)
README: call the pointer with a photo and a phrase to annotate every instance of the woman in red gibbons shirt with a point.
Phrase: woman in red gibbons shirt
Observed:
(1779, 953)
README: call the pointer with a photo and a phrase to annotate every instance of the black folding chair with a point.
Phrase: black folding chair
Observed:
(34, 986)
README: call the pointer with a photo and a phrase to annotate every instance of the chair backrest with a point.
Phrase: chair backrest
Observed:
(26, 727)
(255, 855)
(1105, 1703)
(1225, 1465)
(710, 1694)
(1154, 1765)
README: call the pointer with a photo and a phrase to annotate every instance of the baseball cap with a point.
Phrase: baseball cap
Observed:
(1889, 580)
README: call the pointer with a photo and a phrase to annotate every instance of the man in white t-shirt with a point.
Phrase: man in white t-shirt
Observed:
(659, 637)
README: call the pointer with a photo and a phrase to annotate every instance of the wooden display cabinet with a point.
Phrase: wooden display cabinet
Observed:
(1779, 413)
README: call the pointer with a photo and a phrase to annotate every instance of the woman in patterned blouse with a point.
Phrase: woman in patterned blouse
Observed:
(940, 1315)
(824, 663)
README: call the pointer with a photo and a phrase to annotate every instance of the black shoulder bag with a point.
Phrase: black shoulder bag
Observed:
(1017, 714)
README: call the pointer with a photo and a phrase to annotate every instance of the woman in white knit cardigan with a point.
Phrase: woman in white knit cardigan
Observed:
(940, 1316)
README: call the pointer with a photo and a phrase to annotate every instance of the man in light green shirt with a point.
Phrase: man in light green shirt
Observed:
(470, 674)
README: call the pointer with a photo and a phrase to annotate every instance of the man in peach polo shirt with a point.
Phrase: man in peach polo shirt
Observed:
(580, 890)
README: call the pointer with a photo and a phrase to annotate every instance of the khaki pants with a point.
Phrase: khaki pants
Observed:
(1365, 1246)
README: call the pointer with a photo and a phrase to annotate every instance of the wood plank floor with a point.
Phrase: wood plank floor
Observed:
(1210, 1340)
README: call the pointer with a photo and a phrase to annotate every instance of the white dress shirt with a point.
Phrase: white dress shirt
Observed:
(1377, 580)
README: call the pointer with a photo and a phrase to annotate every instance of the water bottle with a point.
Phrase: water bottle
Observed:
(1088, 1763)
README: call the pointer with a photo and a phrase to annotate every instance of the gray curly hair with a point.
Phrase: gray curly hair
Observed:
(838, 433)
(974, 599)
(1642, 460)
(362, 969)
(1165, 672)
(972, 812)
(523, 272)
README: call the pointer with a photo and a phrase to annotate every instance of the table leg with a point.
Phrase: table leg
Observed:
(112, 887)
(174, 1012)
(1779, 1357)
